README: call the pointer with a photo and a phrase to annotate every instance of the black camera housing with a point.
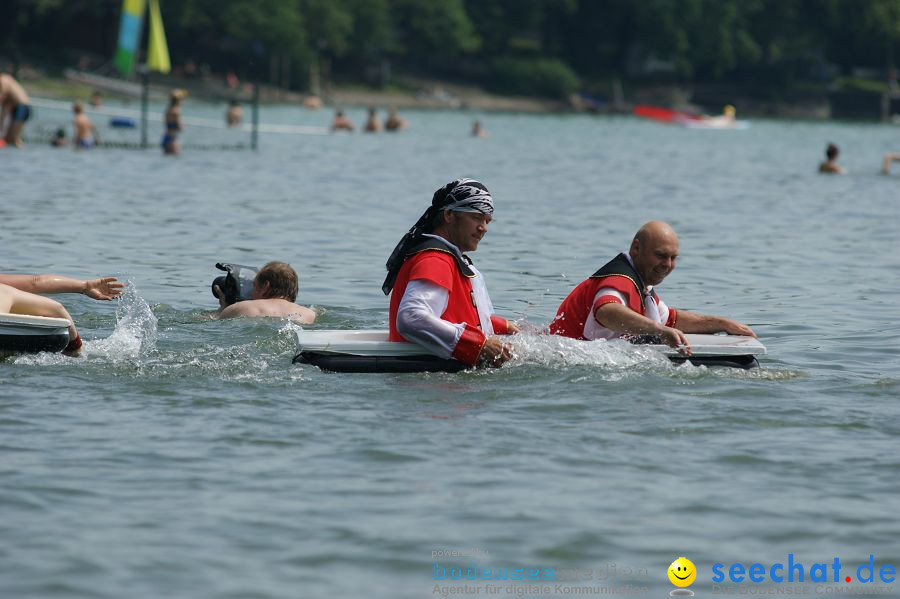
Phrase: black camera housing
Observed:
(237, 283)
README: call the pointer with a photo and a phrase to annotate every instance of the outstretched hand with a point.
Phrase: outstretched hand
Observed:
(106, 288)
(733, 327)
(494, 352)
(676, 339)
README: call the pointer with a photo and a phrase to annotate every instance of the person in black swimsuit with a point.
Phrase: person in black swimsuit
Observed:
(172, 120)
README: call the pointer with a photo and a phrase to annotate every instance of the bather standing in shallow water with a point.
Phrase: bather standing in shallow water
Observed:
(172, 120)
(14, 105)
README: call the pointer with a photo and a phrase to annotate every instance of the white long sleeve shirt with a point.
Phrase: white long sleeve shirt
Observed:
(423, 302)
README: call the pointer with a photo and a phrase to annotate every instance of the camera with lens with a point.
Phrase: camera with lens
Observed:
(237, 282)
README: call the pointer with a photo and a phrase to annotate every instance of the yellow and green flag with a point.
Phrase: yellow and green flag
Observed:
(129, 35)
(157, 50)
(130, 28)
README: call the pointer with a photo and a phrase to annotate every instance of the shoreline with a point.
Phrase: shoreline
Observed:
(431, 95)
(437, 95)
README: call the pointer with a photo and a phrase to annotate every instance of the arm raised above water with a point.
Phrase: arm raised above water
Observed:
(104, 288)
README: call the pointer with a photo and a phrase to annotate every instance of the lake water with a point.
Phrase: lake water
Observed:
(186, 457)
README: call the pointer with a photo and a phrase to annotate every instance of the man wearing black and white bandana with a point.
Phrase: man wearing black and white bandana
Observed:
(439, 298)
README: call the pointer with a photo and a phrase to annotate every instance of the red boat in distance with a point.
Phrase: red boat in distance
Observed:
(664, 115)
(692, 121)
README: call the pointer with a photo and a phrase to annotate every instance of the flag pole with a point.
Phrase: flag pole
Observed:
(254, 136)
(145, 101)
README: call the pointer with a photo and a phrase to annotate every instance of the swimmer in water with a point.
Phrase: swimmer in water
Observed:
(275, 289)
(85, 132)
(831, 165)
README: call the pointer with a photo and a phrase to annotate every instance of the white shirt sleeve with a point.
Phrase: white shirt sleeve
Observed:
(593, 329)
(419, 318)
(663, 312)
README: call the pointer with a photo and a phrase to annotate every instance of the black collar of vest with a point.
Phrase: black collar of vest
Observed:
(430, 243)
(620, 265)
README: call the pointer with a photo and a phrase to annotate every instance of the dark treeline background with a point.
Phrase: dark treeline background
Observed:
(535, 47)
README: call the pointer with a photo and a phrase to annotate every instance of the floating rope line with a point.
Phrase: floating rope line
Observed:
(187, 120)
(42, 139)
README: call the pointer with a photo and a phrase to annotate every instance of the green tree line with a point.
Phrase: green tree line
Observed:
(537, 47)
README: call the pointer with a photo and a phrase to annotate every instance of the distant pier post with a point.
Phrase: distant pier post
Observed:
(254, 135)
(145, 100)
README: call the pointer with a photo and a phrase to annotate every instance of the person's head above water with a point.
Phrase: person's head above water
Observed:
(77, 108)
(459, 212)
(276, 280)
(654, 250)
(464, 208)
(460, 195)
(832, 151)
(177, 96)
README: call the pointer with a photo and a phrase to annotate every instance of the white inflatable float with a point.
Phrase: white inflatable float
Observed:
(370, 351)
(22, 333)
(715, 124)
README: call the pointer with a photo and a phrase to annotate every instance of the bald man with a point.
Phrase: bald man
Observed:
(619, 299)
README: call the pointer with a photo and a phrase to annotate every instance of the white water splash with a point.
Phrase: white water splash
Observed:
(618, 358)
(556, 351)
(134, 335)
(290, 328)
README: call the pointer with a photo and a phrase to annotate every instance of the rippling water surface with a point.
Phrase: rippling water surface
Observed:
(186, 457)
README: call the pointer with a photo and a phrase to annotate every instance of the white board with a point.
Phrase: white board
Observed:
(375, 343)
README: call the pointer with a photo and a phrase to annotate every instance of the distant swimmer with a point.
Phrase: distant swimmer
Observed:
(620, 299)
(103, 288)
(16, 301)
(394, 122)
(478, 130)
(438, 298)
(14, 105)
(831, 165)
(234, 115)
(275, 289)
(172, 120)
(726, 119)
(312, 102)
(59, 139)
(886, 163)
(85, 132)
(373, 125)
(96, 100)
(341, 122)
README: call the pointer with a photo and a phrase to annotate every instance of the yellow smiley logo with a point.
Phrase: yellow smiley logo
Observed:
(682, 572)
